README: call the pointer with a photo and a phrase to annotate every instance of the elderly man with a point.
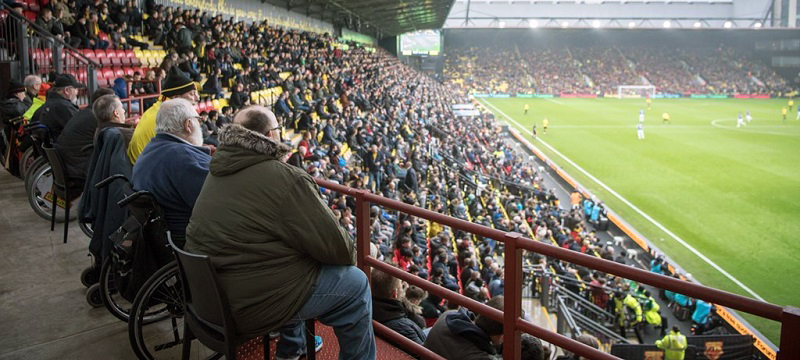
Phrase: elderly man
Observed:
(280, 255)
(32, 85)
(59, 106)
(174, 165)
(177, 85)
(79, 133)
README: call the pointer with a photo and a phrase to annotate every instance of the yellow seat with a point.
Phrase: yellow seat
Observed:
(215, 103)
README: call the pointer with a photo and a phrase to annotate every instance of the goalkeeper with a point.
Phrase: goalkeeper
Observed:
(665, 118)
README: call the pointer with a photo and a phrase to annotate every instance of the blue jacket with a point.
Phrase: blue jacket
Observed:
(701, 312)
(174, 171)
(587, 207)
(596, 213)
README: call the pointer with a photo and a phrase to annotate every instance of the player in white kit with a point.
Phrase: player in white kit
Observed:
(640, 130)
(641, 116)
(740, 121)
(748, 117)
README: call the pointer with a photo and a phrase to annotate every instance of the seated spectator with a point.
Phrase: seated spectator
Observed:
(213, 86)
(175, 86)
(12, 107)
(239, 97)
(531, 348)
(59, 106)
(32, 85)
(225, 117)
(461, 335)
(121, 90)
(585, 339)
(174, 165)
(74, 143)
(278, 250)
(388, 306)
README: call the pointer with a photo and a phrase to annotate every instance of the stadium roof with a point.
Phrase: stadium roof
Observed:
(375, 17)
(638, 14)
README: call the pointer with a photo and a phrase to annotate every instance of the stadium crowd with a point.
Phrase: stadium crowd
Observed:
(366, 121)
(594, 70)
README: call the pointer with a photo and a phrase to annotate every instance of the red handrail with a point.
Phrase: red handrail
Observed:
(514, 243)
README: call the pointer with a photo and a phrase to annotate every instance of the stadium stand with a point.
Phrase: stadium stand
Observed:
(339, 99)
(597, 70)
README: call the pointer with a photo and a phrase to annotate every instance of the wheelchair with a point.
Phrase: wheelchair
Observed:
(39, 179)
(138, 280)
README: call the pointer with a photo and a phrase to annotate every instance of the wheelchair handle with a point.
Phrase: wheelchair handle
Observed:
(109, 180)
(130, 198)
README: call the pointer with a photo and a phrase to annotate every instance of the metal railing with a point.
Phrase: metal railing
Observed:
(40, 52)
(789, 317)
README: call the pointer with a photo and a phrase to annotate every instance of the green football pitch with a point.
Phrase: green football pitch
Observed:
(732, 194)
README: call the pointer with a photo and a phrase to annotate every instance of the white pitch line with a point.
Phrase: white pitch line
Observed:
(752, 128)
(635, 208)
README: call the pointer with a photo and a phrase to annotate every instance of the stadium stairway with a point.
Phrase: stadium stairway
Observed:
(551, 181)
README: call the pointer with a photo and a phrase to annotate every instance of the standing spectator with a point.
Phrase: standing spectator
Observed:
(278, 262)
(674, 345)
(374, 162)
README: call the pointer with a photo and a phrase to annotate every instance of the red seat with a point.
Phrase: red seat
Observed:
(103, 36)
(30, 15)
(101, 58)
(139, 70)
(118, 72)
(116, 57)
(108, 73)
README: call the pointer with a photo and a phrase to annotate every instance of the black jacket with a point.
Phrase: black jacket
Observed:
(11, 108)
(392, 314)
(455, 336)
(55, 113)
(72, 144)
(99, 207)
(374, 162)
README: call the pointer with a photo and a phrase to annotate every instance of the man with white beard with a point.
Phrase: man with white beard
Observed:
(174, 165)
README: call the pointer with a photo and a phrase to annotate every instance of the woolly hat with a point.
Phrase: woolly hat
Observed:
(176, 84)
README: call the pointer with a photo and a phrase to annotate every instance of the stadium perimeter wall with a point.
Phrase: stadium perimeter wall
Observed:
(767, 348)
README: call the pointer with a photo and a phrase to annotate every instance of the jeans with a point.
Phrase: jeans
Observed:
(340, 299)
(375, 180)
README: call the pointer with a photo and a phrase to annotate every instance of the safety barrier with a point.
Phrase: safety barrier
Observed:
(513, 324)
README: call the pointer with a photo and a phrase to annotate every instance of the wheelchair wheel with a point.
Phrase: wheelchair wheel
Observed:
(40, 195)
(86, 228)
(90, 276)
(93, 296)
(112, 299)
(27, 160)
(30, 169)
(155, 326)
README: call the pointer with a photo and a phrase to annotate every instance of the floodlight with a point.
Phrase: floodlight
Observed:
(757, 25)
(596, 23)
(727, 25)
(533, 23)
(501, 24)
(632, 24)
(565, 24)
(667, 24)
(698, 24)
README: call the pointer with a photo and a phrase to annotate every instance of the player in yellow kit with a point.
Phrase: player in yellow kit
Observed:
(783, 113)
(665, 118)
(649, 103)
(545, 123)
(526, 109)
(791, 103)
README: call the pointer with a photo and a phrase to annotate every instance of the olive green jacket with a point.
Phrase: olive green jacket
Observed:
(264, 226)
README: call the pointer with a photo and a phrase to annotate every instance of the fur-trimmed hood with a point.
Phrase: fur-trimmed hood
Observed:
(240, 148)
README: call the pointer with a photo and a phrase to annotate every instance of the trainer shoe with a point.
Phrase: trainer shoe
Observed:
(317, 347)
